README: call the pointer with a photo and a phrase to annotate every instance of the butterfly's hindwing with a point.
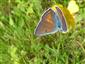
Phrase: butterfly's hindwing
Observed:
(62, 18)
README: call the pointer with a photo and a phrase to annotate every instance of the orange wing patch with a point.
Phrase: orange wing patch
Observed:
(46, 24)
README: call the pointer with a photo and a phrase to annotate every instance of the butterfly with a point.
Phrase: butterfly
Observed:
(51, 22)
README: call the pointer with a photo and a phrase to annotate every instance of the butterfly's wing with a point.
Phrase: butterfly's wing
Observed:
(62, 18)
(48, 23)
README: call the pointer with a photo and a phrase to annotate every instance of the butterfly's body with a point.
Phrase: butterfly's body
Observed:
(51, 22)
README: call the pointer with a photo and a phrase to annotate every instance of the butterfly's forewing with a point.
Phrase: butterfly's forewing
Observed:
(47, 24)
(62, 18)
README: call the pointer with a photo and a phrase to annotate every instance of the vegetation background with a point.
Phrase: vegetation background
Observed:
(19, 45)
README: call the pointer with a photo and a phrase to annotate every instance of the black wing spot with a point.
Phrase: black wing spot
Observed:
(59, 26)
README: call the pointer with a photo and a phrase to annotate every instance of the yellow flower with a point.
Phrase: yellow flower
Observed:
(73, 7)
